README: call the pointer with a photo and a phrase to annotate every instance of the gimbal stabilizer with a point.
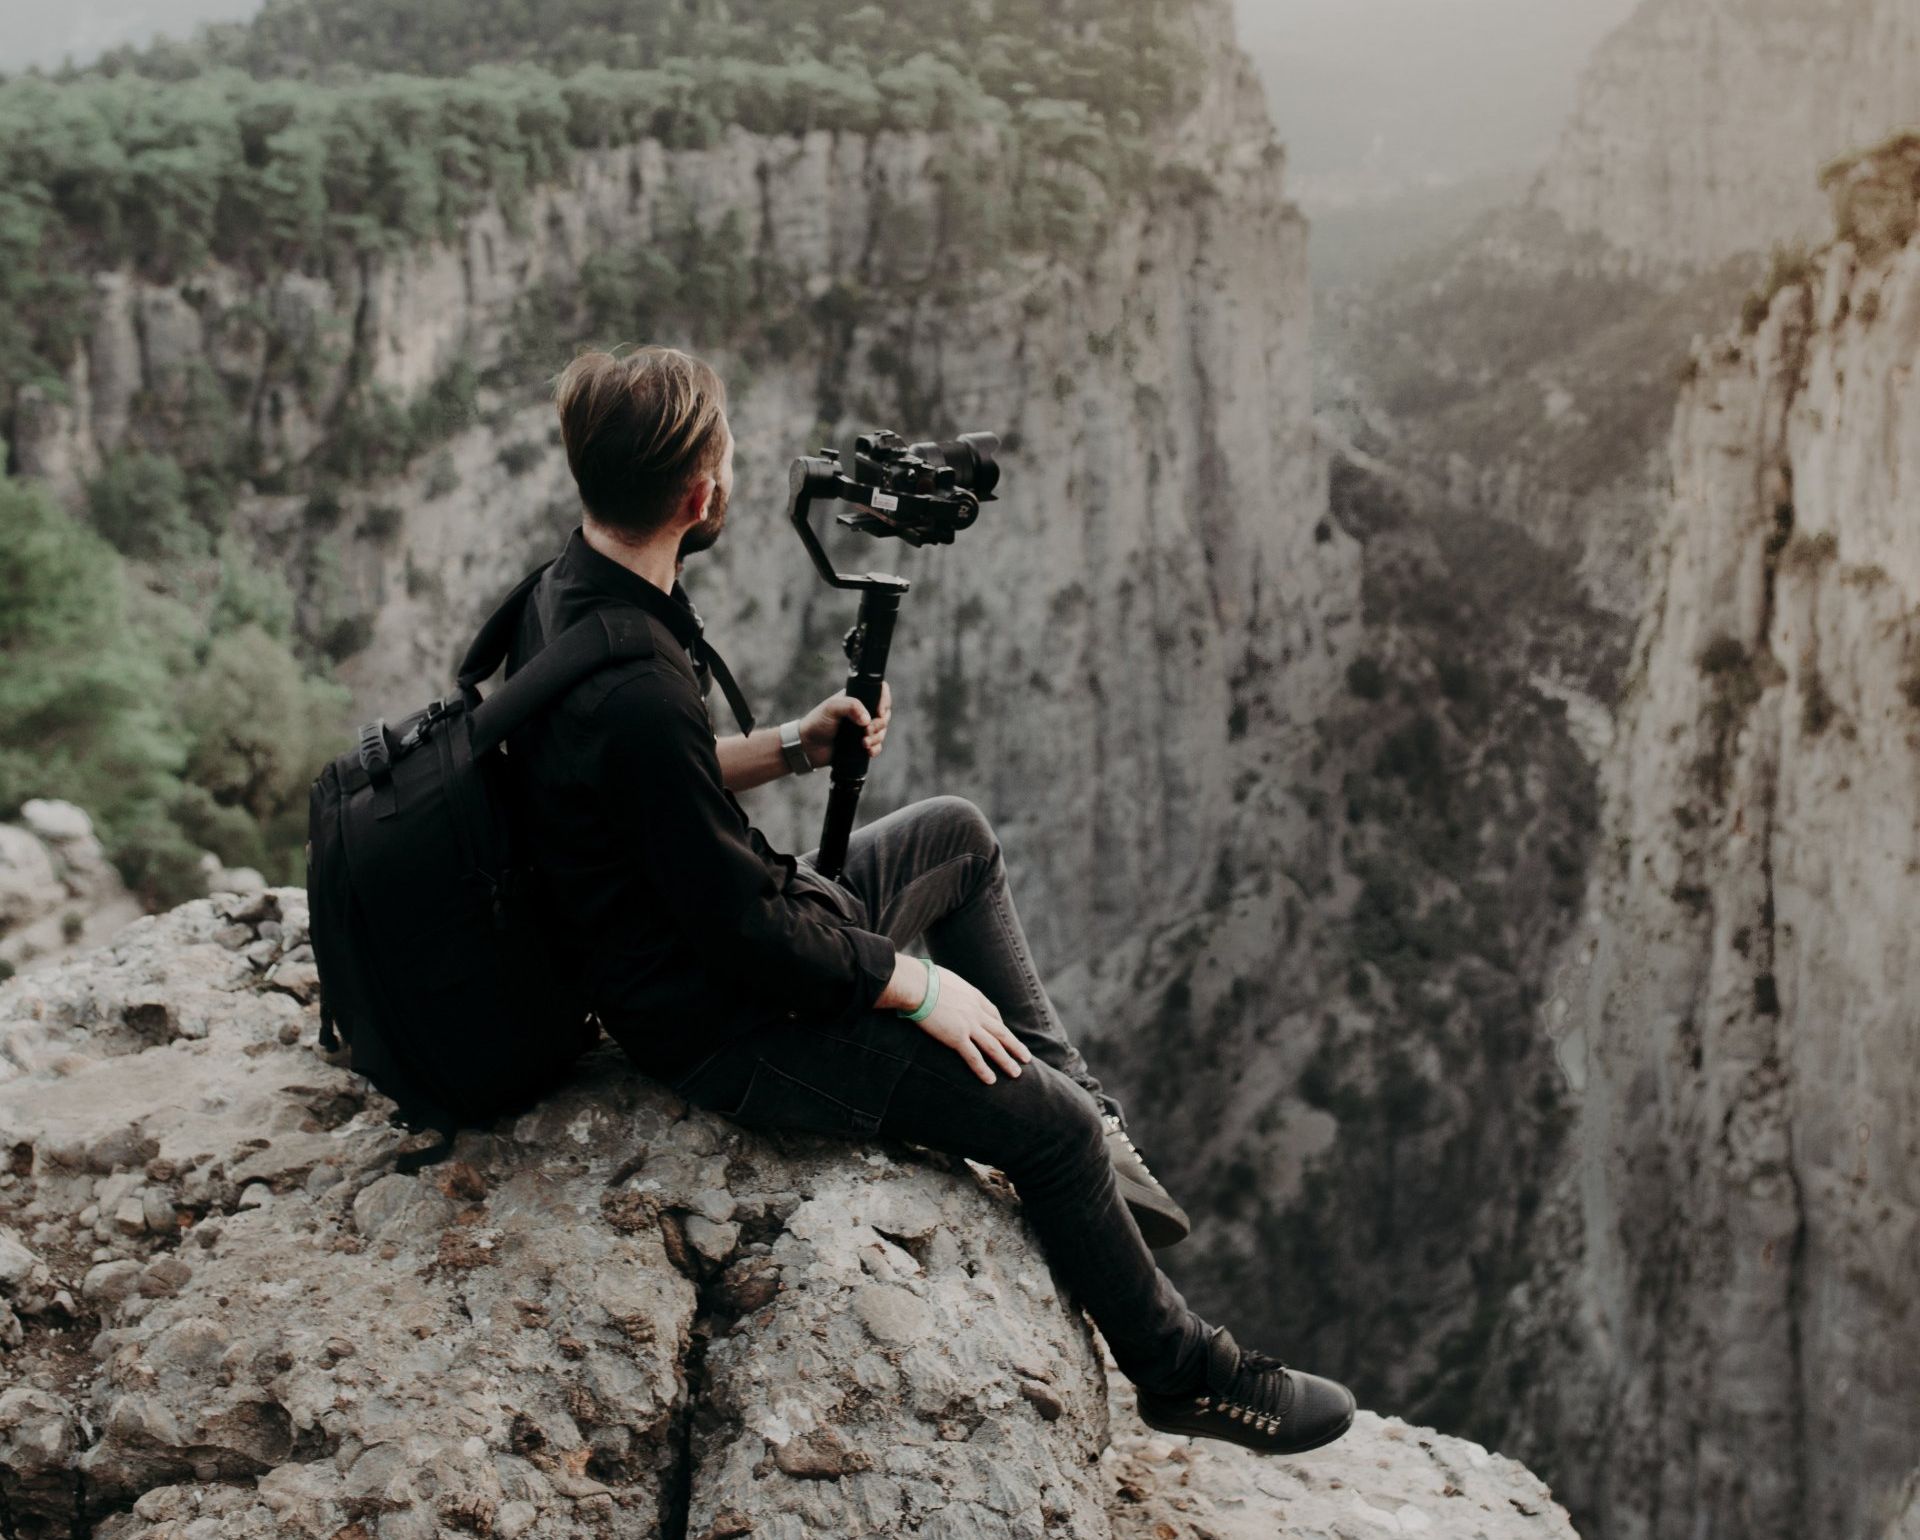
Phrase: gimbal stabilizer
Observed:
(920, 493)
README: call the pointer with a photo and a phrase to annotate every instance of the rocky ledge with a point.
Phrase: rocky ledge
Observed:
(224, 1312)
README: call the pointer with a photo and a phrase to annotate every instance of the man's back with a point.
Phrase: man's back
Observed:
(686, 926)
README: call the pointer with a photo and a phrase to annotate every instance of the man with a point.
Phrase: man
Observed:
(760, 989)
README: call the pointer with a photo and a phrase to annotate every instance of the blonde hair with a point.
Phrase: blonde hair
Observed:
(640, 431)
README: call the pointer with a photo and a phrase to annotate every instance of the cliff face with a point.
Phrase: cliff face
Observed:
(1157, 602)
(1128, 662)
(1701, 128)
(224, 1311)
(1743, 1221)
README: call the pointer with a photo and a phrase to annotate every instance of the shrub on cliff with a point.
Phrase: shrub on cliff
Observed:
(80, 696)
(176, 734)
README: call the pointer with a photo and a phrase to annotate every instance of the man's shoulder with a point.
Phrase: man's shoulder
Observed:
(654, 686)
(547, 617)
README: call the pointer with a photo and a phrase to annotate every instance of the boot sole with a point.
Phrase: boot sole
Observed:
(1225, 1433)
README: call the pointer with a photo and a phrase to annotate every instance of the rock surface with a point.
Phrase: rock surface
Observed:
(57, 890)
(1702, 125)
(230, 1315)
(1741, 1230)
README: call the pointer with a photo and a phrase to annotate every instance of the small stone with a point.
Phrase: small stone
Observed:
(56, 822)
(713, 1241)
(236, 879)
(156, 1208)
(714, 1204)
(299, 979)
(110, 1282)
(514, 1520)
(17, 1264)
(819, 1456)
(256, 1195)
(130, 1214)
(163, 1276)
(1045, 1399)
(892, 1314)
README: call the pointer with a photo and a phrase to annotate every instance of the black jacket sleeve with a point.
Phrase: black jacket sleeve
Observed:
(661, 791)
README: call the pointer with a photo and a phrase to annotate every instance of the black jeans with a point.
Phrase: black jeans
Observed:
(935, 869)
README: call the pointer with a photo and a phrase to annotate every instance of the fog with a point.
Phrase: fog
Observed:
(1420, 89)
(34, 32)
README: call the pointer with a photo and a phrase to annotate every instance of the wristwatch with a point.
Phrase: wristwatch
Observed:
(794, 751)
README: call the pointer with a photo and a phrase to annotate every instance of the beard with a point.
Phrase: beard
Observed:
(702, 536)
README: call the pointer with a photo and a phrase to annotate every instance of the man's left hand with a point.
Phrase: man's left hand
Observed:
(820, 726)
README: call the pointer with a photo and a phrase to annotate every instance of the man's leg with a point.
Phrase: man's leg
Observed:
(935, 869)
(879, 1075)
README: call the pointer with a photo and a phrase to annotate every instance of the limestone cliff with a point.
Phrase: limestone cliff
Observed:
(1156, 602)
(1742, 1223)
(224, 1311)
(1529, 367)
(1129, 663)
(1701, 125)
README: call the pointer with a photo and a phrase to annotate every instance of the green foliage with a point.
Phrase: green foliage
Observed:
(292, 141)
(81, 699)
(248, 595)
(257, 725)
(88, 713)
(778, 66)
(139, 502)
(520, 456)
(1366, 678)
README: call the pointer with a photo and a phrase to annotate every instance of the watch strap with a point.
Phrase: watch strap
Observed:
(793, 750)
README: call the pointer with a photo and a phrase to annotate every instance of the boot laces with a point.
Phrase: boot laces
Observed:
(1261, 1386)
(1113, 1123)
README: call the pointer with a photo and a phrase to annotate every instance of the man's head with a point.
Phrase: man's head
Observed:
(648, 442)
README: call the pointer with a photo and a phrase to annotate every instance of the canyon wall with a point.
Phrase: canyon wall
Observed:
(1729, 1334)
(1701, 126)
(1122, 661)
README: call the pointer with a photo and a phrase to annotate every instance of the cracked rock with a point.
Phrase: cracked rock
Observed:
(610, 1315)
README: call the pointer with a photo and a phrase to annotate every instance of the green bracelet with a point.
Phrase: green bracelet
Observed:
(925, 1008)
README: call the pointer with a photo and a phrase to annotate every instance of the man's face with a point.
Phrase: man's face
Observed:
(701, 536)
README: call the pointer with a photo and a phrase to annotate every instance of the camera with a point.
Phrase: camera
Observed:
(923, 494)
(968, 463)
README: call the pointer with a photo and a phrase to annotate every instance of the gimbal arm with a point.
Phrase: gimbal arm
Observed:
(867, 646)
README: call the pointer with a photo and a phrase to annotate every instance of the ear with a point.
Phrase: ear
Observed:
(699, 496)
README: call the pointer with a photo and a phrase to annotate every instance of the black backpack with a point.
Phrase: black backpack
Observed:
(431, 958)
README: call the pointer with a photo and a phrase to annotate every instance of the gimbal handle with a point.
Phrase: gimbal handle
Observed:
(867, 646)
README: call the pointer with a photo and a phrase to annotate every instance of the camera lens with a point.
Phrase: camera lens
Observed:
(971, 457)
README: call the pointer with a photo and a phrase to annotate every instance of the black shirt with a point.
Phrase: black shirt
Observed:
(686, 925)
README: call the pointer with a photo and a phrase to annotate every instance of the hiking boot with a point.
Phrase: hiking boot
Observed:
(1162, 1221)
(1253, 1400)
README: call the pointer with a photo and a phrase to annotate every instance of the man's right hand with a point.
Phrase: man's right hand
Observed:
(965, 1020)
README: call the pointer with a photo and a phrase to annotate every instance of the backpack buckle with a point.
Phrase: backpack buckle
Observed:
(435, 712)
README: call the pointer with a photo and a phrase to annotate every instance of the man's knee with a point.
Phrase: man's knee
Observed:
(962, 821)
(1063, 1114)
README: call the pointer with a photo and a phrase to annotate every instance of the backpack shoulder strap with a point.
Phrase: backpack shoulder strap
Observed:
(490, 647)
(604, 637)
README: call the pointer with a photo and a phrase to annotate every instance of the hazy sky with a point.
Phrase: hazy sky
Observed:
(1450, 86)
(47, 31)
